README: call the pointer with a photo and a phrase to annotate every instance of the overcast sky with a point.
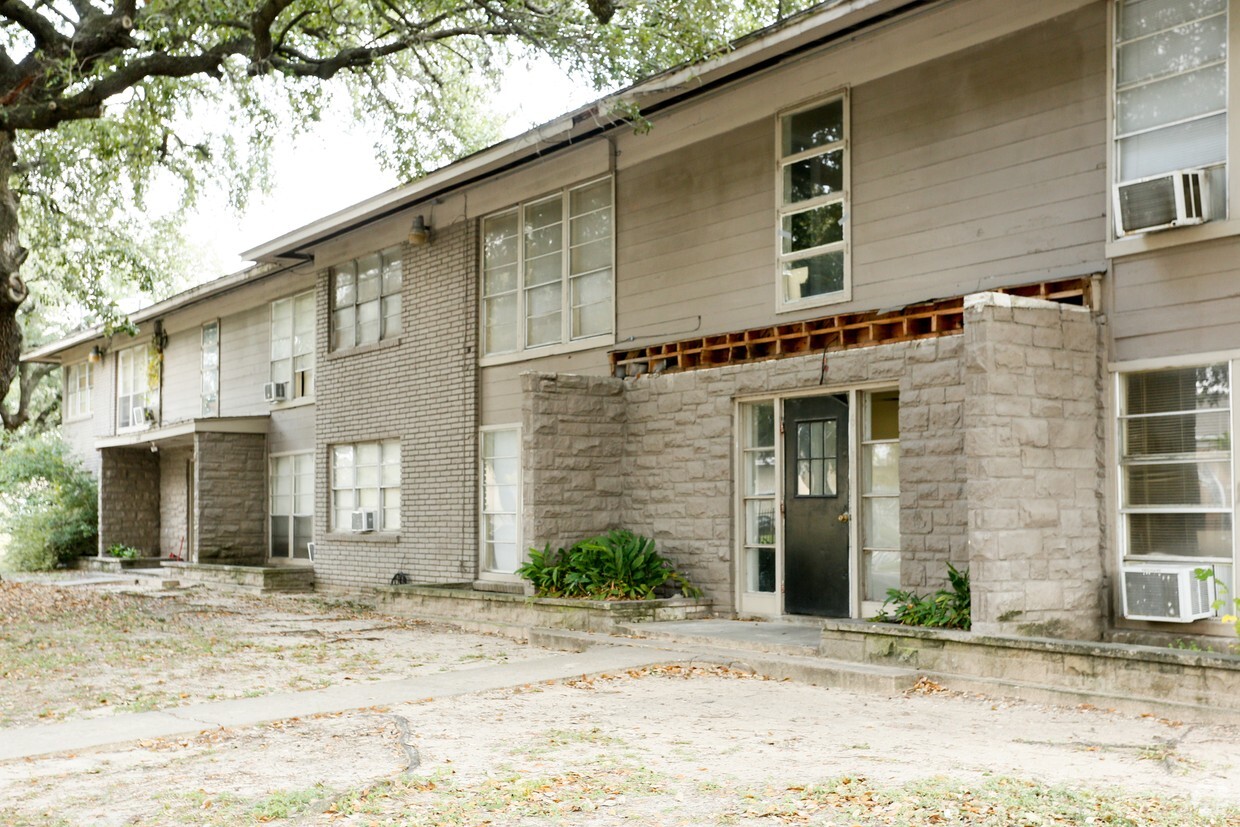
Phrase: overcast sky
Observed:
(334, 167)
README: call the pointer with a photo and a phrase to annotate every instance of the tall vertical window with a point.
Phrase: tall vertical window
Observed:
(501, 475)
(292, 344)
(547, 271)
(79, 379)
(758, 448)
(366, 477)
(137, 387)
(1171, 90)
(880, 494)
(1175, 462)
(292, 506)
(813, 250)
(211, 369)
(366, 299)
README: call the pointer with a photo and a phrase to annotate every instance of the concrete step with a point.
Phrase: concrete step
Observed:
(773, 637)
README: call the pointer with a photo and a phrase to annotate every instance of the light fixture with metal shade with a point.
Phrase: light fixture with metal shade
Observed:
(419, 233)
(96, 355)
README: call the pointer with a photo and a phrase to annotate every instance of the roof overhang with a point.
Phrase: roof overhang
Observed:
(810, 28)
(181, 433)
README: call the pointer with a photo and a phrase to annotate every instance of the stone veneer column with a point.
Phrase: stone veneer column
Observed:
(230, 491)
(129, 499)
(1033, 448)
(573, 434)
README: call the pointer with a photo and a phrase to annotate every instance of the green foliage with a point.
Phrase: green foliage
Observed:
(123, 552)
(48, 504)
(619, 565)
(1222, 601)
(945, 609)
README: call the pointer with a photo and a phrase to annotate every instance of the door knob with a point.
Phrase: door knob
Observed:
(845, 517)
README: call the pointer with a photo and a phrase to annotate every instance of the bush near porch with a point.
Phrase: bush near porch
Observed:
(619, 565)
(48, 505)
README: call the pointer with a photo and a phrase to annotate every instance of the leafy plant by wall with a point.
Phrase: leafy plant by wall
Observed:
(48, 504)
(619, 565)
(945, 609)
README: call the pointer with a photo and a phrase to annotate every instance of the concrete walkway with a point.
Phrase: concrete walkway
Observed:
(71, 736)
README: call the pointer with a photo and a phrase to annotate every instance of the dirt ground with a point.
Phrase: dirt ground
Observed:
(668, 745)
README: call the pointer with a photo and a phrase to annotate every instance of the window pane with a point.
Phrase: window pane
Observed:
(761, 431)
(591, 227)
(1180, 389)
(813, 228)
(813, 127)
(1202, 433)
(500, 323)
(760, 569)
(882, 522)
(1194, 144)
(592, 256)
(759, 472)
(1142, 17)
(543, 241)
(592, 320)
(760, 522)
(882, 468)
(885, 415)
(1180, 535)
(815, 276)
(499, 280)
(346, 287)
(814, 177)
(1182, 484)
(882, 572)
(279, 536)
(593, 197)
(303, 533)
(1174, 99)
(1176, 50)
(391, 315)
(391, 519)
(543, 270)
(500, 239)
(592, 288)
(543, 330)
(391, 276)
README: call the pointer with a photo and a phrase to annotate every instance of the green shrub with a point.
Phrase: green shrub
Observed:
(123, 552)
(48, 504)
(619, 565)
(945, 609)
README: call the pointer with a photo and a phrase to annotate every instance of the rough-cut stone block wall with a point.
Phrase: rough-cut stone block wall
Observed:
(230, 490)
(173, 508)
(933, 510)
(573, 434)
(420, 388)
(129, 499)
(677, 467)
(1033, 445)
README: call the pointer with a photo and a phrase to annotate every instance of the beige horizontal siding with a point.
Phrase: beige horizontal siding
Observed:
(501, 384)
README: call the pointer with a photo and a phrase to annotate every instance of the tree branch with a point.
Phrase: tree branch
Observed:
(46, 37)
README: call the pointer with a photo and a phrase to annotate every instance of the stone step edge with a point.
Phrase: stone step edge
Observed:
(649, 631)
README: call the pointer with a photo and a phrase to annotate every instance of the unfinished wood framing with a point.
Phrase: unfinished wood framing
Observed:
(849, 330)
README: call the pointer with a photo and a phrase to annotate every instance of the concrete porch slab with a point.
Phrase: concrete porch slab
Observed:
(254, 579)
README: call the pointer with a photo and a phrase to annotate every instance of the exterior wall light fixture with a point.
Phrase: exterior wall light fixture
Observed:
(419, 233)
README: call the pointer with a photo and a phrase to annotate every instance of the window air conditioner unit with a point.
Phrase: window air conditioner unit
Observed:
(141, 416)
(1169, 593)
(275, 391)
(366, 519)
(1175, 199)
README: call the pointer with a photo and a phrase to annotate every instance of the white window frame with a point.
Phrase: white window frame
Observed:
(1218, 227)
(782, 304)
(749, 550)
(484, 513)
(866, 496)
(567, 342)
(389, 322)
(295, 494)
(79, 389)
(387, 449)
(210, 398)
(129, 394)
(1226, 569)
(300, 382)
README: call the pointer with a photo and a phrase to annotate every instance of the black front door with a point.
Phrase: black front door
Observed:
(816, 506)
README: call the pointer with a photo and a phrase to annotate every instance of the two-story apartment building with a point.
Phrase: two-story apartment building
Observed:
(889, 285)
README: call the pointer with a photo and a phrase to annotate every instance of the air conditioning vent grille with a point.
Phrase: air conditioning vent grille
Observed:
(1160, 202)
(1166, 593)
(1148, 203)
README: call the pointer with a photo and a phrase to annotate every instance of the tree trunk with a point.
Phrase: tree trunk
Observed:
(13, 289)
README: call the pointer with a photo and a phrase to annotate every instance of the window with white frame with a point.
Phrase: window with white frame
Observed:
(1175, 463)
(292, 506)
(137, 387)
(501, 494)
(79, 379)
(210, 362)
(812, 185)
(1171, 90)
(880, 495)
(366, 299)
(758, 449)
(292, 344)
(366, 477)
(547, 271)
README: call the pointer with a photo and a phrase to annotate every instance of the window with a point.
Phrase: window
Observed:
(366, 300)
(366, 477)
(292, 344)
(137, 387)
(1175, 437)
(292, 506)
(758, 448)
(211, 369)
(501, 472)
(1171, 90)
(813, 179)
(79, 379)
(547, 271)
(880, 495)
